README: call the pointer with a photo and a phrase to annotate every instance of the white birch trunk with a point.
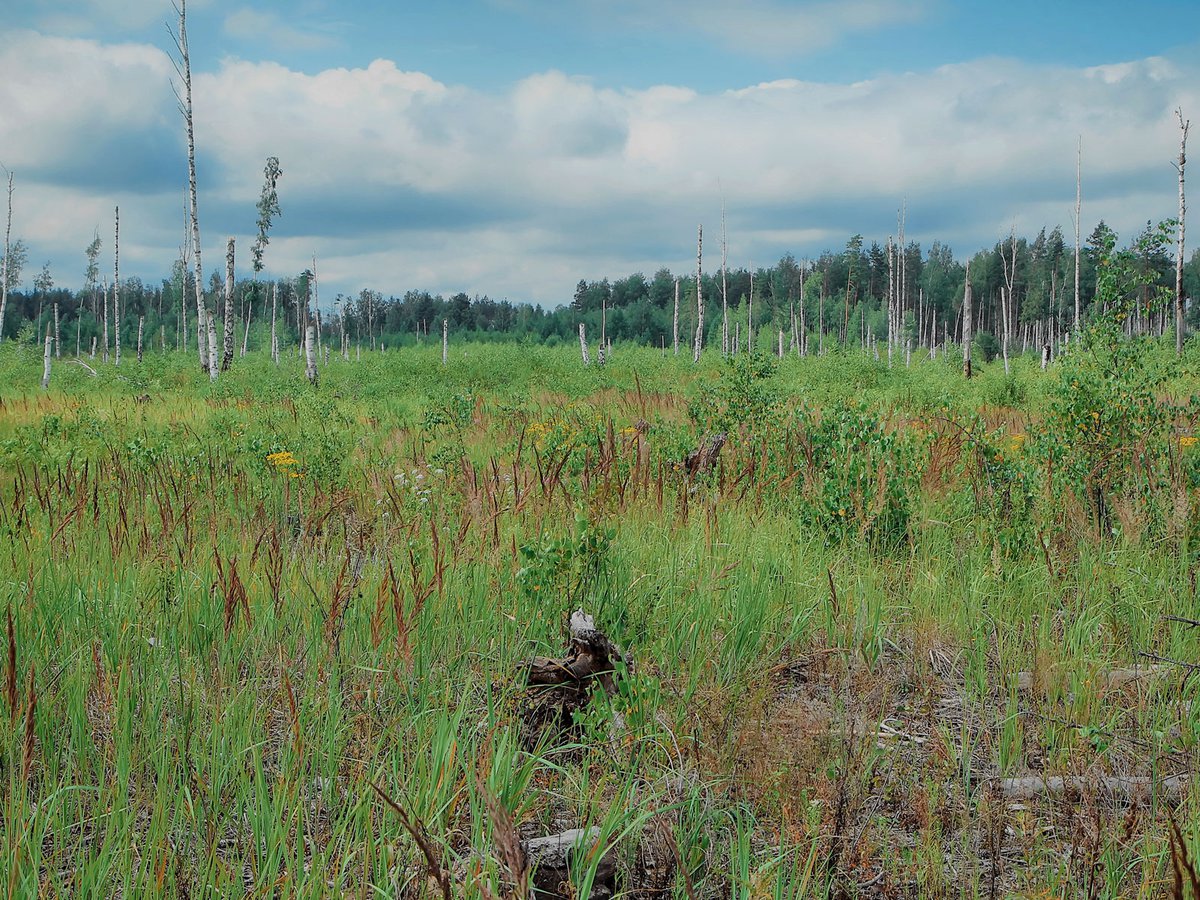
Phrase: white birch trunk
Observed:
(46, 362)
(310, 354)
(57, 333)
(583, 348)
(274, 315)
(213, 368)
(445, 339)
(675, 320)
(141, 326)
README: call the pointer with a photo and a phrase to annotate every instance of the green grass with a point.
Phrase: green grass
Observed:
(795, 740)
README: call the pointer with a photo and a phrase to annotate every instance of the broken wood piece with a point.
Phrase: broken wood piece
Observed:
(1113, 678)
(554, 858)
(1127, 788)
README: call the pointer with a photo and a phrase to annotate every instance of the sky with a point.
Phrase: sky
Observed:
(513, 147)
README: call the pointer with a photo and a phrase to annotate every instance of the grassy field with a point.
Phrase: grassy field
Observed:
(262, 633)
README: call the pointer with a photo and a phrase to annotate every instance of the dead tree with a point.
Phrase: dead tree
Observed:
(1079, 201)
(213, 368)
(675, 319)
(724, 285)
(968, 324)
(141, 326)
(583, 348)
(183, 67)
(227, 342)
(699, 295)
(7, 251)
(310, 354)
(46, 362)
(274, 312)
(1184, 124)
(117, 285)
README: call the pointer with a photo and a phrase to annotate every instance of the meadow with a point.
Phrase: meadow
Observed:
(911, 635)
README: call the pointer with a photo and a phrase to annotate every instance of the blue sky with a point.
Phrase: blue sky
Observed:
(511, 147)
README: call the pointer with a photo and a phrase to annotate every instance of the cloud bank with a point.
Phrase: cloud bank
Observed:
(396, 180)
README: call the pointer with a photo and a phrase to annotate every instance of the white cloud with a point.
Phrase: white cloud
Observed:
(396, 180)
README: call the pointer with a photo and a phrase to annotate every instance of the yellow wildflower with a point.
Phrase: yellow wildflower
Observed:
(1188, 441)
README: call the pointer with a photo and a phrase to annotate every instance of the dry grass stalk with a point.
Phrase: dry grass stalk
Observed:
(508, 843)
(234, 592)
(417, 830)
(293, 707)
(10, 681)
(1181, 862)
(30, 736)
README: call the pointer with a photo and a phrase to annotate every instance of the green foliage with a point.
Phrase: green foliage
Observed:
(571, 568)
(860, 478)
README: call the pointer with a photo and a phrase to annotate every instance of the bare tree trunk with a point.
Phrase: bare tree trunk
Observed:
(310, 352)
(1079, 201)
(750, 314)
(1179, 326)
(78, 331)
(141, 325)
(445, 339)
(781, 343)
(246, 333)
(213, 368)
(117, 284)
(274, 314)
(46, 362)
(968, 324)
(227, 336)
(675, 320)
(891, 300)
(583, 348)
(57, 333)
(184, 68)
(699, 295)
(104, 330)
(724, 286)
(4, 266)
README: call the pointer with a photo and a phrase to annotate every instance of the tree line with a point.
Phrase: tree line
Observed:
(853, 296)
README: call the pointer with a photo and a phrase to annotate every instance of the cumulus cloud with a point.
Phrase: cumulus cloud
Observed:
(397, 180)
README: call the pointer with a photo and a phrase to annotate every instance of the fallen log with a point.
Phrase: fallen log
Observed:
(1126, 788)
(1112, 678)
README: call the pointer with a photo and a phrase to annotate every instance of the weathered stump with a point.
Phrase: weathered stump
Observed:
(561, 687)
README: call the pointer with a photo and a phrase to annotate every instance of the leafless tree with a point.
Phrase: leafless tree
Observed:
(699, 295)
(1184, 124)
(183, 67)
(227, 347)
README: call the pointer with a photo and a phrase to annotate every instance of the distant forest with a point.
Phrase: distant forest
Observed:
(842, 297)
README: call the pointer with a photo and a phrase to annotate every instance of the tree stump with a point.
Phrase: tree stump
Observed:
(561, 687)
